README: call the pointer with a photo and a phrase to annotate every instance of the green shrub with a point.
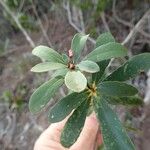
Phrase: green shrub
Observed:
(94, 91)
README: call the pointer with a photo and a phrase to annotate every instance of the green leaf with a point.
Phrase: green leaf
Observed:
(43, 94)
(47, 66)
(60, 72)
(104, 39)
(107, 51)
(114, 135)
(74, 125)
(47, 54)
(75, 81)
(64, 107)
(118, 89)
(77, 45)
(88, 66)
(96, 77)
(131, 68)
(130, 100)
(65, 58)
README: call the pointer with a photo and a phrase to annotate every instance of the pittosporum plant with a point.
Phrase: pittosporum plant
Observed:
(94, 91)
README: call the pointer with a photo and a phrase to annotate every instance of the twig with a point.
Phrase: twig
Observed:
(82, 21)
(136, 28)
(10, 52)
(10, 129)
(117, 17)
(147, 95)
(28, 38)
(41, 25)
(104, 21)
(134, 31)
(21, 6)
(35, 124)
(67, 7)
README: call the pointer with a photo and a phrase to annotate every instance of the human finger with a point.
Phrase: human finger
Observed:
(88, 135)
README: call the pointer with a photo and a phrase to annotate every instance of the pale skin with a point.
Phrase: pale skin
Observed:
(89, 139)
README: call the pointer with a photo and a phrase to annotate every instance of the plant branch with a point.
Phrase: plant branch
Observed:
(135, 28)
(41, 25)
(132, 33)
(104, 21)
(147, 95)
(67, 8)
(28, 38)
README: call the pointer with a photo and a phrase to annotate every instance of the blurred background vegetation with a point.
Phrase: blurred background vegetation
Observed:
(25, 24)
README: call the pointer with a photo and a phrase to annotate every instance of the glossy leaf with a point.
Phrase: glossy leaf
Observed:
(88, 66)
(64, 107)
(74, 125)
(130, 100)
(118, 89)
(47, 66)
(131, 68)
(47, 54)
(75, 81)
(104, 38)
(107, 51)
(96, 77)
(43, 94)
(77, 45)
(114, 135)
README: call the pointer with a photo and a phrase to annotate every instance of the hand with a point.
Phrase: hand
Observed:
(89, 139)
